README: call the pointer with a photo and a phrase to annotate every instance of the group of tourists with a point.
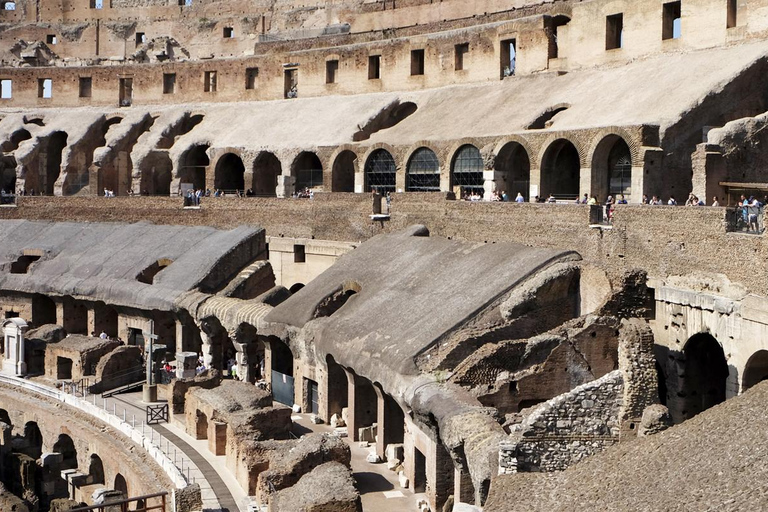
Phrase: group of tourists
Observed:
(305, 193)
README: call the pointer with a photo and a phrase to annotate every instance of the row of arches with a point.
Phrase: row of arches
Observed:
(560, 170)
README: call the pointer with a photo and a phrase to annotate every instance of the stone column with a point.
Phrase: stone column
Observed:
(389, 422)
(186, 365)
(439, 474)
(286, 185)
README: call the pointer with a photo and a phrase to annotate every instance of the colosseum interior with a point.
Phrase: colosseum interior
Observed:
(383, 255)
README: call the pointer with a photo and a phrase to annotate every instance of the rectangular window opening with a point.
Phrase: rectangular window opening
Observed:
(508, 57)
(9, 6)
(460, 50)
(374, 67)
(86, 87)
(733, 9)
(169, 83)
(291, 83)
(97, 4)
(229, 32)
(614, 31)
(51, 39)
(141, 38)
(251, 74)
(6, 89)
(671, 23)
(417, 62)
(44, 88)
(210, 81)
(299, 254)
(331, 70)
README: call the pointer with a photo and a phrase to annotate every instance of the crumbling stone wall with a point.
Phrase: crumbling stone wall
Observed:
(567, 428)
(327, 487)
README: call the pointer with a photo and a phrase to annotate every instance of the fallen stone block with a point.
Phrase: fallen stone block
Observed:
(373, 458)
(394, 451)
(314, 418)
(337, 421)
(404, 482)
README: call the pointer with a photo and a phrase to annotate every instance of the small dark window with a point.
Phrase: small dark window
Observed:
(147, 276)
(250, 77)
(141, 38)
(291, 83)
(374, 67)
(417, 62)
(44, 88)
(11, 314)
(614, 31)
(97, 4)
(733, 9)
(169, 83)
(671, 28)
(210, 81)
(86, 86)
(461, 51)
(229, 32)
(299, 254)
(508, 57)
(51, 39)
(331, 69)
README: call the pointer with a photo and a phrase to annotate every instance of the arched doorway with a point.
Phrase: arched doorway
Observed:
(612, 168)
(423, 172)
(56, 144)
(121, 485)
(66, 447)
(467, 170)
(230, 174)
(194, 165)
(308, 171)
(34, 439)
(560, 171)
(515, 168)
(266, 169)
(697, 380)
(343, 172)
(95, 469)
(380, 172)
(756, 370)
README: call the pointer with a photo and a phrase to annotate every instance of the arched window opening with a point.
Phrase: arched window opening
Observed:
(5, 417)
(343, 172)
(546, 119)
(701, 377)
(66, 447)
(121, 485)
(147, 276)
(56, 144)
(308, 171)
(17, 138)
(756, 370)
(620, 170)
(380, 172)
(230, 174)
(467, 170)
(336, 300)
(95, 470)
(423, 172)
(515, 167)
(34, 439)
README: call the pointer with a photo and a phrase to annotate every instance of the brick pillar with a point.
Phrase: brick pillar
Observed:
(362, 404)
(463, 489)
(390, 422)
(439, 475)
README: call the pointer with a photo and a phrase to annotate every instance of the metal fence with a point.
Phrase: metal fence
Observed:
(746, 219)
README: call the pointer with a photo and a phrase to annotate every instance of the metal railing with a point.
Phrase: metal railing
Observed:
(141, 502)
(746, 219)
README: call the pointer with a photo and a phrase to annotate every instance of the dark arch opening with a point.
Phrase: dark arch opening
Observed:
(34, 439)
(423, 172)
(515, 167)
(5, 418)
(343, 172)
(612, 168)
(95, 469)
(221, 347)
(546, 119)
(266, 169)
(702, 376)
(756, 369)
(56, 144)
(230, 173)
(162, 175)
(66, 447)
(296, 287)
(380, 172)
(194, 164)
(337, 395)
(173, 132)
(560, 170)
(17, 138)
(308, 171)
(282, 357)
(121, 485)
(467, 170)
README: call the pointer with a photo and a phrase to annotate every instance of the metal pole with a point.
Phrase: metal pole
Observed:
(114, 409)
(123, 415)
(133, 421)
